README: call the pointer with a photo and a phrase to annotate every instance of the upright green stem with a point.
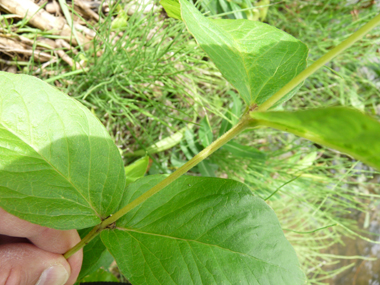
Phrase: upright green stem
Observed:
(234, 131)
(319, 63)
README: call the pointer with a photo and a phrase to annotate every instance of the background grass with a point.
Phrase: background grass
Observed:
(153, 81)
(148, 80)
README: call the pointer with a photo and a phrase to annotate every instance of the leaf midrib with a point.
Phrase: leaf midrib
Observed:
(196, 241)
(54, 168)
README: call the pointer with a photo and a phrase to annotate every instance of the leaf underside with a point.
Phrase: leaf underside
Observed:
(344, 129)
(256, 58)
(201, 231)
(58, 166)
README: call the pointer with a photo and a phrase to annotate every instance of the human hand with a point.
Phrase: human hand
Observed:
(32, 254)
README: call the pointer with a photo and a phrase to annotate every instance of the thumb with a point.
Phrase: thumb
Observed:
(23, 263)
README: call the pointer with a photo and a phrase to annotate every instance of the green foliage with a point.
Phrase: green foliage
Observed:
(347, 130)
(100, 275)
(236, 9)
(257, 59)
(161, 145)
(136, 170)
(138, 78)
(348, 80)
(172, 8)
(61, 169)
(121, 21)
(205, 132)
(239, 150)
(203, 230)
(95, 255)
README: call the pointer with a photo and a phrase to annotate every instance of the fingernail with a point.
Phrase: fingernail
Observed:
(54, 275)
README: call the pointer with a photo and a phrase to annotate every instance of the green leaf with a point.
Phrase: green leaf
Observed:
(236, 11)
(263, 6)
(161, 145)
(120, 23)
(137, 169)
(244, 151)
(205, 132)
(172, 8)
(95, 255)
(176, 161)
(207, 169)
(257, 59)
(201, 231)
(189, 136)
(233, 115)
(236, 108)
(344, 129)
(58, 166)
(99, 276)
(225, 125)
(211, 6)
(186, 151)
(226, 8)
(306, 162)
(70, 22)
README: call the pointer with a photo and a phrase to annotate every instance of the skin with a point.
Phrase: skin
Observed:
(26, 250)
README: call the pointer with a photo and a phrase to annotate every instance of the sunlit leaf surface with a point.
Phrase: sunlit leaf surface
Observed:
(58, 165)
(201, 231)
(256, 58)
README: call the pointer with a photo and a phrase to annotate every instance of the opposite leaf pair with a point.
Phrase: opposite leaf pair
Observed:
(59, 168)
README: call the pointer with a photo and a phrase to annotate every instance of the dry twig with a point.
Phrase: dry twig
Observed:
(41, 19)
(65, 57)
(86, 9)
(10, 47)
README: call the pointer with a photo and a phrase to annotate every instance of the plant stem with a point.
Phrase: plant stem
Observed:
(93, 233)
(245, 122)
(319, 63)
(182, 170)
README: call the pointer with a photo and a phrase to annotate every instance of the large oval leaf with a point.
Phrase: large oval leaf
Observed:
(257, 59)
(201, 231)
(344, 129)
(58, 165)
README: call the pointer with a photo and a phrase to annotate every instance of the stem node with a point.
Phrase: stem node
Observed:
(110, 222)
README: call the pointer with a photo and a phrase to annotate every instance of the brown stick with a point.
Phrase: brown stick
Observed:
(90, 33)
(41, 19)
(63, 44)
(40, 56)
(10, 46)
(27, 42)
(44, 65)
(86, 9)
(65, 57)
(6, 42)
